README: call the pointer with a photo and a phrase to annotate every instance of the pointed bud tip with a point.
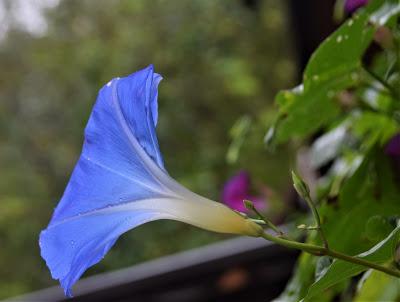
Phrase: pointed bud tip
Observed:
(300, 186)
(248, 204)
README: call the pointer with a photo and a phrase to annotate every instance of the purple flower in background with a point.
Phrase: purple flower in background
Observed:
(393, 146)
(120, 182)
(352, 5)
(236, 189)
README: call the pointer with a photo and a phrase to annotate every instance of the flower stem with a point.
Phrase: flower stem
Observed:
(323, 251)
(249, 205)
(317, 220)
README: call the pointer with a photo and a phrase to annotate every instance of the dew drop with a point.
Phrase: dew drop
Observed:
(339, 39)
(315, 77)
(350, 23)
(72, 243)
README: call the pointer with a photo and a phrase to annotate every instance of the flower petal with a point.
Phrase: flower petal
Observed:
(141, 113)
(76, 243)
(73, 245)
(393, 146)
(352, 5)
(118, 164)
(120, 182)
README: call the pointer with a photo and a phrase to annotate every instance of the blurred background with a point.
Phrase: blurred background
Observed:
(222, 63)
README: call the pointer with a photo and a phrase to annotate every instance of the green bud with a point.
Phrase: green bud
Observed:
(248, 204)
(300, 186)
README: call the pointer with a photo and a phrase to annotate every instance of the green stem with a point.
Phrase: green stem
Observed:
(363, 262)
(317, 220)
(304, 191)
(306, 247)
(249, 205)
(323, 251)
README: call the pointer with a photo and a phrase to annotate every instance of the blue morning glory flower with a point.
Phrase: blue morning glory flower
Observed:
(120, 182)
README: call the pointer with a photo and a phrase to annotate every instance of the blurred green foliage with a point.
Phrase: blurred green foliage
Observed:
(220, 60)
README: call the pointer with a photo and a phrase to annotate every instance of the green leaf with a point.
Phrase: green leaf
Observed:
(377, 286)
(303, 112)
(301, 279)
(340, 53)
(332, 68)
(341, 270)
(377, 227)
(373, 128)
(370, 191)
